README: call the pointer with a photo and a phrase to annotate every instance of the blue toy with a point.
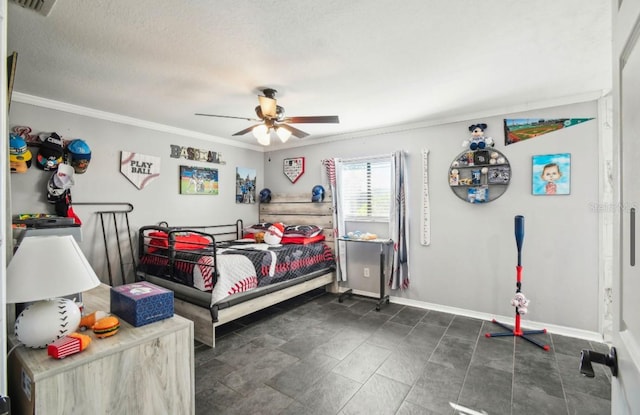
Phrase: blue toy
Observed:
(478, 141)
(265, 195)
(317, 193)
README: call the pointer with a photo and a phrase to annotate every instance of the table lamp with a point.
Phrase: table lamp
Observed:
(42, 269)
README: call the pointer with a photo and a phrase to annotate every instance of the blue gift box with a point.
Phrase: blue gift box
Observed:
(141, 303)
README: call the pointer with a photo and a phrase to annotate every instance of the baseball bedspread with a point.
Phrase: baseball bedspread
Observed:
(240, 267)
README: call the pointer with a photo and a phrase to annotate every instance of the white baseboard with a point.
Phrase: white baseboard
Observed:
(525, 324)
(509, 320)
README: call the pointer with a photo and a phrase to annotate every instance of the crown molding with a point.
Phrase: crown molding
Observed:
(511, 109)
(109, 116)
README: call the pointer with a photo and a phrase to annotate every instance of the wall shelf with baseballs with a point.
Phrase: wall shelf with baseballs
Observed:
(479, 176)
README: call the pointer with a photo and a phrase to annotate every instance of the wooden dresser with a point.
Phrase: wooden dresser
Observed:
(140, 370)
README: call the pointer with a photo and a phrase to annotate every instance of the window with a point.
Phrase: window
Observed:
(364, 188)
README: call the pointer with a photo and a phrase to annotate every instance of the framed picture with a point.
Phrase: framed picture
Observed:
(245, 185)
(198, 181)
(551, 174)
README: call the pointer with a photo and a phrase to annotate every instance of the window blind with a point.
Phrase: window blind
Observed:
(365, 188)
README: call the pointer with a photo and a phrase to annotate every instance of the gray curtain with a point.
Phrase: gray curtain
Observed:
(399, 226)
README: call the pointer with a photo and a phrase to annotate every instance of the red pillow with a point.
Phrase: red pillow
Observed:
(182, 242)
(301, 240)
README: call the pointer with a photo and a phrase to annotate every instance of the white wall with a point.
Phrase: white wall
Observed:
(471, 261)
(102, 182)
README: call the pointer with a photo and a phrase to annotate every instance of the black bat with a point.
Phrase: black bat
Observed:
(519, 225)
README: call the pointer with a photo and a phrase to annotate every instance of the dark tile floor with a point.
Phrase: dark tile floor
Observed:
(315, 355)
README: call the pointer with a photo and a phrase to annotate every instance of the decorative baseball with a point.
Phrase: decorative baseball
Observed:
(46, 321)
(274, 233)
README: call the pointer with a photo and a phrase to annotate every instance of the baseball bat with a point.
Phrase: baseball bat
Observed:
(519, 230)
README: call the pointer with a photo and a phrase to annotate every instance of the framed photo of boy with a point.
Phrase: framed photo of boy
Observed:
(198, 181)
(551, 174)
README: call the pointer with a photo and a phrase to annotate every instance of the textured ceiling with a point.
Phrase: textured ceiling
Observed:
(373, 63)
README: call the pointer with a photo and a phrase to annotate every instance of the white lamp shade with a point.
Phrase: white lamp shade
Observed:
(265, 140)
(283, 133)
(46, 321)
(260, 131)
(46, 267)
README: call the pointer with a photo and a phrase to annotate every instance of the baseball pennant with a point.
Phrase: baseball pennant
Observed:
(520, 129)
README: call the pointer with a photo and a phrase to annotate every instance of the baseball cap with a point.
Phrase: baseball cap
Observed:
(63, 177)
(50, 153)
(79, 155)
(19, 154)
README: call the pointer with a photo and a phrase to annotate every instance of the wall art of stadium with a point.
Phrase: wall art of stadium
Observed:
(520, 129)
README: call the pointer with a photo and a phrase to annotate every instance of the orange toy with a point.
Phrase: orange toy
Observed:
(106, 327)
(89, 320)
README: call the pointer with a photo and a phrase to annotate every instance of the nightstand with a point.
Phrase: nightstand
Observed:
(140, 370)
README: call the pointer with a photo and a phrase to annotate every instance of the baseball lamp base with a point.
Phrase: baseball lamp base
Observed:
(45, 321)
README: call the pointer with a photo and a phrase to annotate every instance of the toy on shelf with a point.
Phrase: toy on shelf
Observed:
(68, 345)
(87, 322)
(106, 327)
(478, 141)
(454, 177)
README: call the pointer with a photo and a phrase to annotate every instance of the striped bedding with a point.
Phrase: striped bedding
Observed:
(241, 267)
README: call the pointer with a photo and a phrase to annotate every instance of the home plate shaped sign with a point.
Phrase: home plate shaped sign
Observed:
(293, 168)
(140, 169)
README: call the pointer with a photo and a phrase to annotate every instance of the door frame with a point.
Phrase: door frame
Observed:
(626, 35)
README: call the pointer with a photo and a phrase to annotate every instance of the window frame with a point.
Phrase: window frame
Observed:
(370, 164)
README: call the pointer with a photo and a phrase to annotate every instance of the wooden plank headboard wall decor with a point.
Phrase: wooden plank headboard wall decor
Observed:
(298, 209)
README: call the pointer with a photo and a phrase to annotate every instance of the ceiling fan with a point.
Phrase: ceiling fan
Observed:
(271, 117)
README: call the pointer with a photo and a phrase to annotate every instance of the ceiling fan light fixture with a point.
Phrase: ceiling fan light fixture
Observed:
(283, 133)
(268, 106)
(272, 118)
(262, 134)
(260, 131)
(265, 140)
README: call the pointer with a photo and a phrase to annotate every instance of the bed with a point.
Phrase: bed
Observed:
(220, 273)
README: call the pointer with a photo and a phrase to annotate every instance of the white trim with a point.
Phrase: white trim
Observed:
(605, 214)
(6, 246)
(76, 109)
(108, 116)
(633, 349)
(525, 324)
(499, 111)
(530, 325)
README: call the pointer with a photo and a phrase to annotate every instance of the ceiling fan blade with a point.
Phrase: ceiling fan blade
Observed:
(228, 116)
(268, 106)
(320, 119)
(246, 130)
(294, 131)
